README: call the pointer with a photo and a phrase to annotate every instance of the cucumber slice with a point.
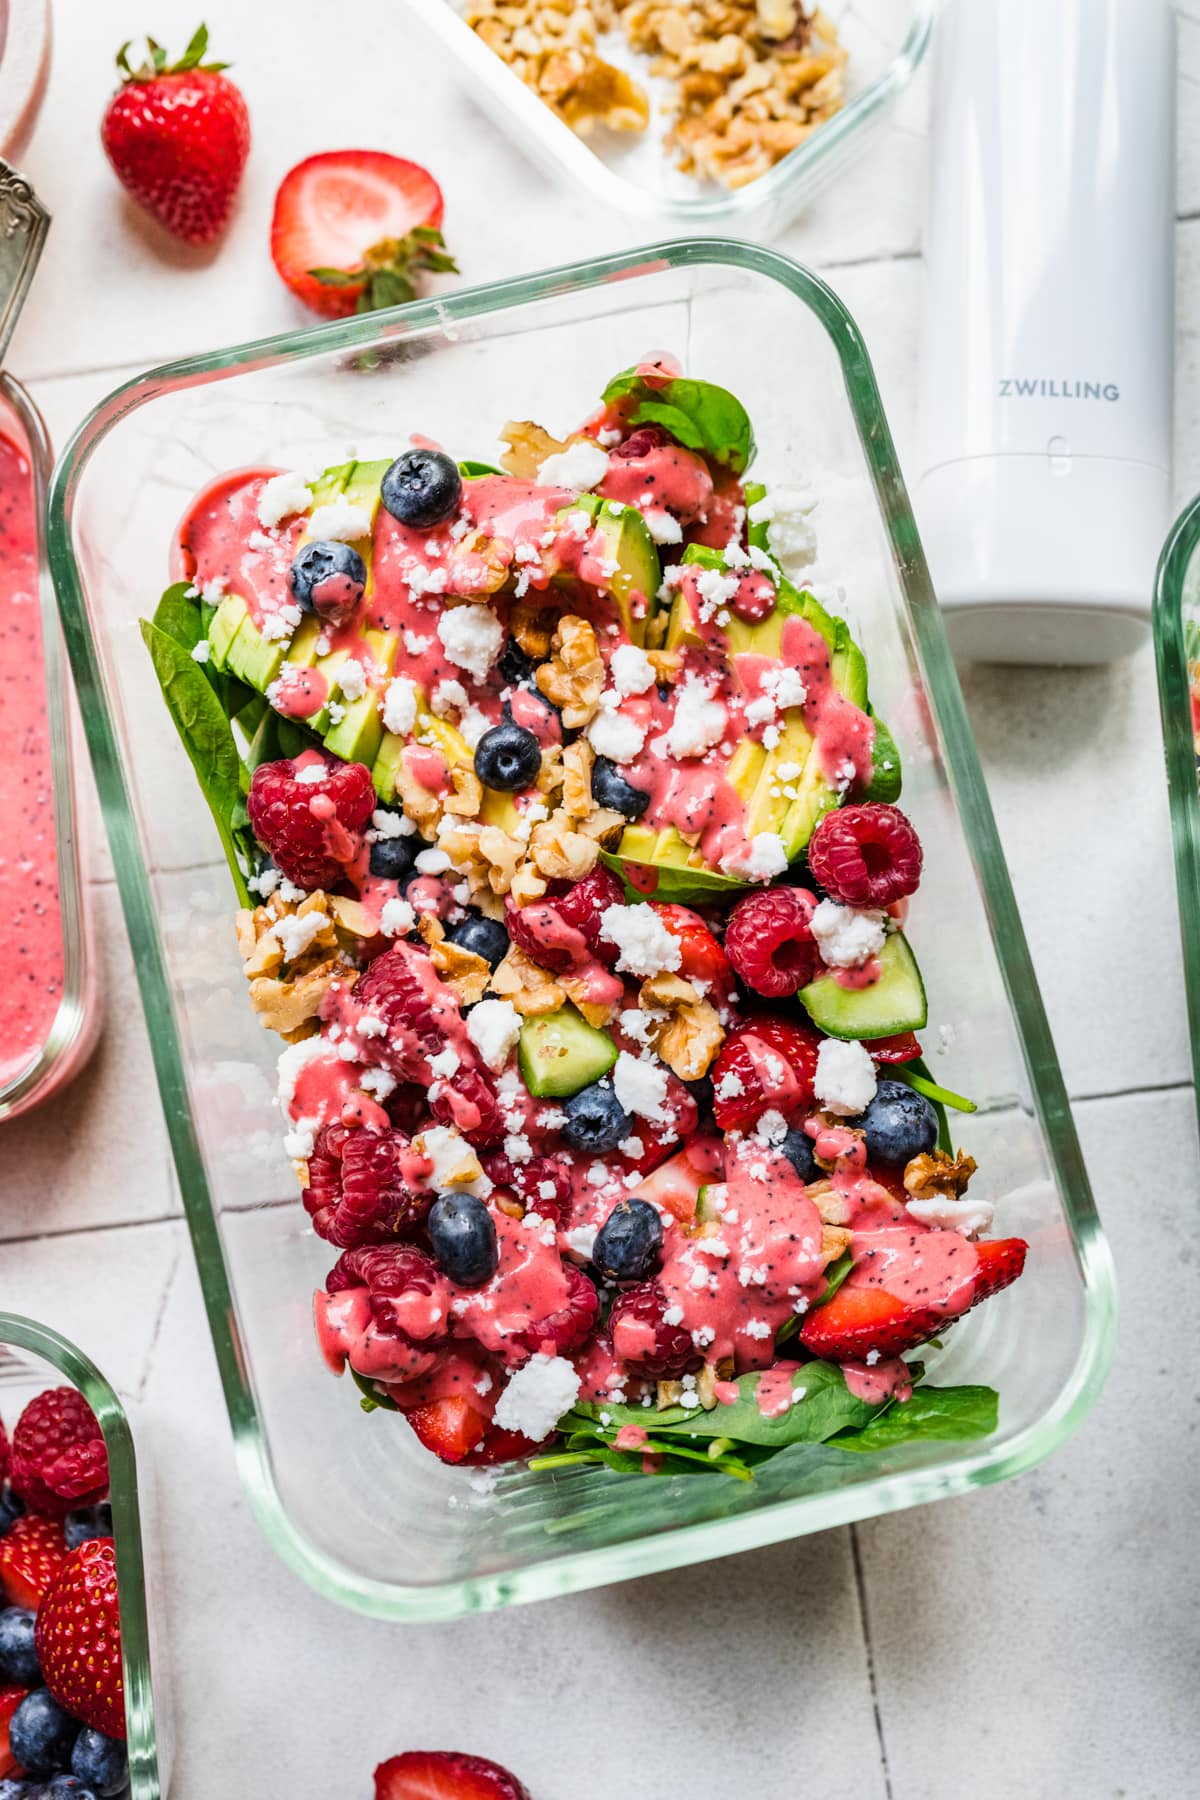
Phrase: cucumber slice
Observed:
(707, 1209)
(896, 1002)
(560, 1053)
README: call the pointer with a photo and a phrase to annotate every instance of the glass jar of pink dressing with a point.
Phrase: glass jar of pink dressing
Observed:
(48, 995)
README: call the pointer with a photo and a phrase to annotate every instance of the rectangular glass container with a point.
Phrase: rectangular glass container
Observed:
(63, 1033)
(634, 175)
(33, 1358)
(1177, 650)
(354, 1503)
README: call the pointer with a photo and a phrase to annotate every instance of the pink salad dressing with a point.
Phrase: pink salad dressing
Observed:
(222, 547)
(31, 987)
(773, 1393)
(887, 1379)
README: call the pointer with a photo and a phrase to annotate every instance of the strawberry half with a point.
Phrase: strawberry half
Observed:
(178, 135)
(32, 1551)
(450, 1427)
(78, 1638)
(352, 230)
(899, 1049)
(764, 1064)
(859, 1320)
(10, 1699)
(445, 1775)
(703, 960)
(1001, 1260)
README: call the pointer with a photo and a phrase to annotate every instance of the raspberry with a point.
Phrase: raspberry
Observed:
(569, 1327)
(769, 940)
(579, 905)
(387, 1271)
(356, 1191)
(527, 1180)
(311, 828)
(641, 442)
(866, 855)
(59, 1461)
(422, 1016)
(642, 1339)
(765, 1063)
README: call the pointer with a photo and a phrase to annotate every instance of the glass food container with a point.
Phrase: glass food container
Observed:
(1177, 649)
(354, 1503)
(634, 175)
(49, 1004)
(33, 1358)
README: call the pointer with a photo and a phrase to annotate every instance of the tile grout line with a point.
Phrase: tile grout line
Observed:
(159, 1318)
(865, 1619)
(70, 1231)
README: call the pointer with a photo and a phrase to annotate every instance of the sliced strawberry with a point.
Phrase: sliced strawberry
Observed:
(901, 1048)
(1001, 1260)
(500, 1446)
(661, 1141)
(703, 960)
(764, 1064)
(348, 213)
(31, 1552)
(860, 1320)
(445, 1775)
(10, 1699)
(450, 1427)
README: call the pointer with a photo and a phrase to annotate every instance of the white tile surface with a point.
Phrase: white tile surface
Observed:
(1057, 1614)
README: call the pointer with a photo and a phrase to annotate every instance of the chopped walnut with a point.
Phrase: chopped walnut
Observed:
(529, 445)
(834, 1241)
(502, 854)
(604, 824)
(938, 1173)
(532, 624)
(416, 802)
(706, 1386)
(467, 797)
(577, 760)
(666, 665)
(596, 1012)
(561, 854)
(684, 1028)
(462, 970)
(573, 679)
(832, 1208)
(667, 1395)
(552, 46)
(527, 885)
(531, 990)
(463, 1173)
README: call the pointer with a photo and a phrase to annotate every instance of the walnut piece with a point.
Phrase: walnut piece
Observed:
(573, 679)
(561, 854)
(532, 991)
(938, 1173)
(685, 1029)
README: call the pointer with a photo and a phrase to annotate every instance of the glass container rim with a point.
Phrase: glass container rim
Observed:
(71, 1015)
(699, 210)
(78, 1368)
(770, 1523)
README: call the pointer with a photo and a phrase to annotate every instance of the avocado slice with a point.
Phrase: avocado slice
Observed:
(887, 774)
(894, 1003)
(633, 550)
(660, 864)
(428, 729)
(768, 804)
(224, 626)
(257, 660)
(560, 1053)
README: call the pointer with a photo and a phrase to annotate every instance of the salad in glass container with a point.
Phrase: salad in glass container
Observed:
(570, 870)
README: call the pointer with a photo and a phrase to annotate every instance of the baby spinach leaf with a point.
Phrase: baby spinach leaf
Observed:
(207, 738)
(183, 616)
(887, 774)
(932, 1412)
(470, 471)
(697, 414)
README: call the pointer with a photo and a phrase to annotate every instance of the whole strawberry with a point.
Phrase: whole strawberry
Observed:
(78, 1638)
(178, 135)
(59, 1461)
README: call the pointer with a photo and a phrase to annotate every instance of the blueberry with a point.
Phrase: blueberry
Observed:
(88, 1522)
(507, 757)
(797, 1146)
(596, 1120)
(486, 937)
(41, 1733)
(629, 1243)
(393, 857)
(67, 1784)
(610, 788)
(462, 1235)
(899, 1123)
(11, 1508)
(422, 488)
(18, 1659)
(514, 666)
(100, 1762)
(327, 578)
(12, 1789)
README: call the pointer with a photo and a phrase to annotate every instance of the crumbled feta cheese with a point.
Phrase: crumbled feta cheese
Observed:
(761, 711)
(757, 1328)
(472, 637)
(391, 824)
(845, 1079)
(311, 774)
(635, 1024)
(581, 466)
(415, 644)
(631, 670)
(715, 589)
(729, 1086)
(449, 696)
(296, 931)
(767, 857)
(455, 1164)
(847, 935)
(641, 1087)
(772, 1127)
(494, 1026)
(299, 1144)
(785, 687)
(446, 1063)
(380, 1082)
(282, 496)
(281, 623)
(699, 720)
(581, 1241)
(352, 679)
(633, 1148)
(340, 520)
(945, 1213)
(614, 735)
(201, 651)
(663, 528)
(265, 882)
(400, 706)
(537, 1396)
(791, 537)
(432, 862)
(645, 944)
